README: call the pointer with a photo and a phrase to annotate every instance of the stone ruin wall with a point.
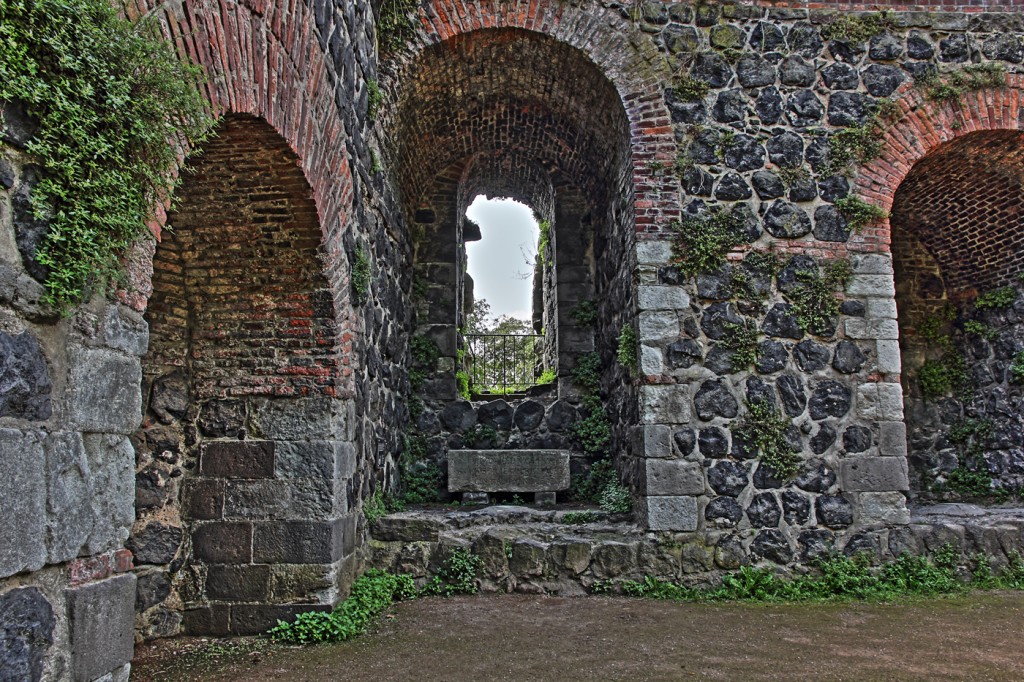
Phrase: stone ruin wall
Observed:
(102, 519)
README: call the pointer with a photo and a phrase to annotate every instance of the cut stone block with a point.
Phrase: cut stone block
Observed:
(102, 616)
(514, 471)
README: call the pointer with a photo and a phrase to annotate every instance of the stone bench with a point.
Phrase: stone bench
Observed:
(542, 472)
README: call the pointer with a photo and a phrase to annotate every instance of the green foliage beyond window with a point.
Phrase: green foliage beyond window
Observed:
(113, 101)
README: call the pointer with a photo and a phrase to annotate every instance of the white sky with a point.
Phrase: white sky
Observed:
(497, 262)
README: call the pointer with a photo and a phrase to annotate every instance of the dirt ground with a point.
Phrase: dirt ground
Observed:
(515, 637)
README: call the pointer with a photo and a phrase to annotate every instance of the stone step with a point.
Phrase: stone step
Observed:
(512, 471)
(430, 524)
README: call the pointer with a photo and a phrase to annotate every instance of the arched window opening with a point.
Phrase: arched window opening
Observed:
(504, 298)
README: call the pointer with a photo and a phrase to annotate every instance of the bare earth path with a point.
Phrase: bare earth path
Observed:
(976, 637)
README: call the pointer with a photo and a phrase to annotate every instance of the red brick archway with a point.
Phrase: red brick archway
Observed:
(921, 130)
(606, 38)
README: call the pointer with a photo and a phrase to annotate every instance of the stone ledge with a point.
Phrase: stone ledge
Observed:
(514, 471)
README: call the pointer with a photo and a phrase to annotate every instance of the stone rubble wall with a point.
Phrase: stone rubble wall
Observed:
(69, 399)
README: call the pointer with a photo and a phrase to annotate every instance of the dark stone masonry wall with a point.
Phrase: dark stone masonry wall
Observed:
(193, 454)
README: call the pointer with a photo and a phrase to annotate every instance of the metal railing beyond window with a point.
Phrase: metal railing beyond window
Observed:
(503, 363)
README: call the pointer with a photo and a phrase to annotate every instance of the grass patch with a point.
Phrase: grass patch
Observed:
(837, 579)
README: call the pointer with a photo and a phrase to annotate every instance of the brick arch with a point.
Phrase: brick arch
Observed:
(922, 128)
(264, 58)
(615, 48)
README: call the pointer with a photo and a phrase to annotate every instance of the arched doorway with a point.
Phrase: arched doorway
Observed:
(958, 249)
(242, 456)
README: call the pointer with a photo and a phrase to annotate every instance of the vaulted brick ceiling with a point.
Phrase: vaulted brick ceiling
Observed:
(965, 202)
(508, 91)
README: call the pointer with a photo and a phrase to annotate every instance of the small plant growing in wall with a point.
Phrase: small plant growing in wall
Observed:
(951, 86)
(701, 243)
(457, 575)
(997, 298)
(1016, 367)
(584, 313)
(814, 299)
(856, 28)
(543, 242)
(360, 275)
(374, 98)
(395, 23)
(113, 103)
(741, 340)
(763, 429)
(616, 499)
(627, 351)
(859, 213)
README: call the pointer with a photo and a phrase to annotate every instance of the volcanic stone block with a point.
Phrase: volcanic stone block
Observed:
(874, 474)
(238, 459)
(673, 477)
(223, 542)
(104, 393)
(101, 620)
(299, 542)
(22, 502)
(671, 512)
(26, 633)
(238, 583)
(24, 378)
(508, 470)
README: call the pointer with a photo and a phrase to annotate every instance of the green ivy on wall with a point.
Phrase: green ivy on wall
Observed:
(114, 105)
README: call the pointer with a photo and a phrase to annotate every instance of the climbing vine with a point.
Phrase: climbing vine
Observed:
(395, 23)
(114, 104)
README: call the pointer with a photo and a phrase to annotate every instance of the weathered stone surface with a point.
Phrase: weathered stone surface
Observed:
(796, 507)
(26, 634)
(744, 154)
(304, 419)
(69, 492)
(223, 542)
(169, 396)
(683, 353)
(238, 459)
(755, 72)
(297, 542)
(815, 543)
(508, 470)
(874, 474)
(24, 378)
(22, 502)
(803, 109)
(155, 543)
(151, 589)
(111, 461)
(713, 399)
(824, 439)
(714, 442)
(101, 618)
(723, 511)
(781, 323)
(458, 416)
(673, 477)
(730, 105)
(665, 404)
(833, 511)
(104, 391)
(794, 398)
(856, 439)
(677, 513)
(786, 221)
(830, 225)
(685, 439)
(888, 508)
(769, 105)
(764, 511)
(220, 418)
(772, 545)
(496, 414)
(810, 355)
(238, 583)
(848, 358)
(768, 185)
(716, 317)
(771, 357)
(29, 231)
(728, 478)
(829, 399)
(733, 187)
